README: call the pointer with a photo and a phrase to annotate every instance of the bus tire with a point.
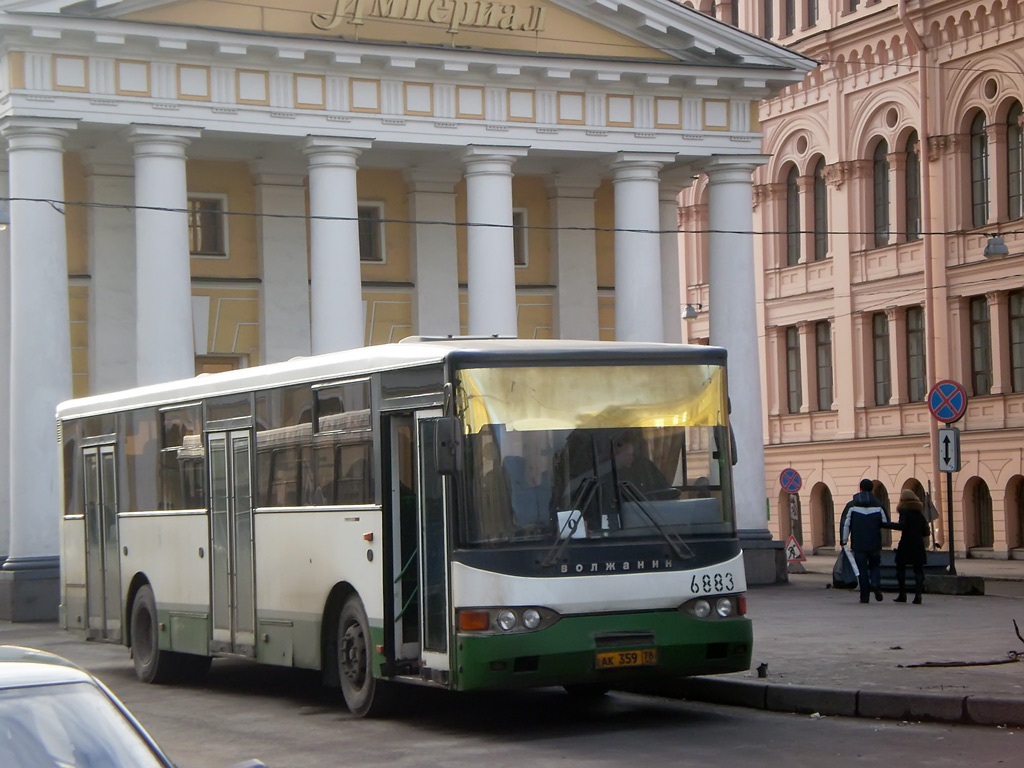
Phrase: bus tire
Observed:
(365, 695)
(153, 665)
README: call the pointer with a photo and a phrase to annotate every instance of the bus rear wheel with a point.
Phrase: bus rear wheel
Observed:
(365, 695)
(153, 665)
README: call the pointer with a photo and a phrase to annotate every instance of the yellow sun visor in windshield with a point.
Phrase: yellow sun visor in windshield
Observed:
(563, 397)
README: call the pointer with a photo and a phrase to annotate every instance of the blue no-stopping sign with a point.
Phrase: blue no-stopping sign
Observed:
(790, 480)
(947, 401)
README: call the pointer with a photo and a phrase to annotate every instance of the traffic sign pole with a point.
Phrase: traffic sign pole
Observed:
(947, 402)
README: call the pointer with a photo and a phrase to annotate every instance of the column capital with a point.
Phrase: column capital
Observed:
(334, 151)
(672, 183)
(485, 151)
(726, 168)
(436, 180)
(639, 166)
(36, 132)
(161, 140)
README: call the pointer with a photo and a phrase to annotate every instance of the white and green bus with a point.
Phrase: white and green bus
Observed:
(460, 513)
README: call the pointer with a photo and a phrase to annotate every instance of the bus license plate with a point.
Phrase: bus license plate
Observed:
(647, 657)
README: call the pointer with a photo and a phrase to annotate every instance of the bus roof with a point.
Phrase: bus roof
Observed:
(413, 351)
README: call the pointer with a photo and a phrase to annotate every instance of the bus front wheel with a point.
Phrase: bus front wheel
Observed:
(153, 665)
(364, 694)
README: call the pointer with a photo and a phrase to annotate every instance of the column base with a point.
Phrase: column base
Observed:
(764, 559)
(30, 589)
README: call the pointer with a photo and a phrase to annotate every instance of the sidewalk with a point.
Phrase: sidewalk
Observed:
(952, 659)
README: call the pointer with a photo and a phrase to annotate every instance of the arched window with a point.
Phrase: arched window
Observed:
(820, 212)
(912, 186)
(880, 167)
(792, 218)
(979, 171)
(1014, 162)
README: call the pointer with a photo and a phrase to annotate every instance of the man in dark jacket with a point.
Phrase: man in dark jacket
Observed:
(862, 522)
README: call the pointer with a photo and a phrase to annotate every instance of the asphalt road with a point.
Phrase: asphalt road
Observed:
(284, 718)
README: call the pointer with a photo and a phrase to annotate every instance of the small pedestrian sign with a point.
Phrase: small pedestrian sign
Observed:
(794, 552)
(949, 449)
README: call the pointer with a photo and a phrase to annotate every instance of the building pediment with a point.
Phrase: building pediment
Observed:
(654, 30)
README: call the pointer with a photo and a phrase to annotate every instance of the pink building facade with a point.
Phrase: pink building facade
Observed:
(894, 166)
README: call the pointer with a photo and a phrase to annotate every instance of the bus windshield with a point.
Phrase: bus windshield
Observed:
(572, 454)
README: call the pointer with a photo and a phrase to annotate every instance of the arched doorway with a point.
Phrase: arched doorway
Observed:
(1014, 510)
(980, 533)
(790, 518)
(824, 516)
(918, 490)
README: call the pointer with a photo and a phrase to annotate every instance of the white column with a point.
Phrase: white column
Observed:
(733, 325)
(432, 249)
(112, 306)
(284, 267)
(336, 288)
(40, 359)
(671, 282)
(574, 255)
(5, 372)
(165, 347)
(491, 271)
(638, 315)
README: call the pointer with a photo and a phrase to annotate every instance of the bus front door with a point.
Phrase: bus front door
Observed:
(102, 566)
(419, 509)
(231, 543)
(433, 547)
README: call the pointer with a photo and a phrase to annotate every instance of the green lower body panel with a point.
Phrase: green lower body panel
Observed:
(567, 653)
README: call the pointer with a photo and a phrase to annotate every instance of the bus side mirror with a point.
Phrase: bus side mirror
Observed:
(448, 445)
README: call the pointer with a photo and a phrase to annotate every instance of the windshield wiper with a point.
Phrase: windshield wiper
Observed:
(584, 494)
(630, 492)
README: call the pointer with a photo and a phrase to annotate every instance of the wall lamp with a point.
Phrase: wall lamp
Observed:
(691, 312)
(995, 248)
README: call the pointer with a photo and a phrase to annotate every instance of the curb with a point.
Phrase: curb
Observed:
(886, 705)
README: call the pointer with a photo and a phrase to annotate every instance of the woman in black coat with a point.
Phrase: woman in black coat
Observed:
(911, 549)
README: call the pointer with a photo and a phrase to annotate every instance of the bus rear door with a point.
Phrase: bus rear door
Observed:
(102, 566)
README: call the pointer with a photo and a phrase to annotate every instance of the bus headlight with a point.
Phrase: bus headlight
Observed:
(724, 607)
(531, 618)
(701, 609)
(507, 620)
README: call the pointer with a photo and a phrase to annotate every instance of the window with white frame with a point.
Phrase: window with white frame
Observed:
(981, 346)
(371, 232)
(823, 356)
(917, 377)
(979, 171)
(520, 237)
(1016, 305)
(880, 188)
(794, 384)
(1014, 162)
(207, 226)
(912, 189)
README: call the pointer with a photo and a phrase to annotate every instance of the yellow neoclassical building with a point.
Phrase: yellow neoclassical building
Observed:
(201, 185)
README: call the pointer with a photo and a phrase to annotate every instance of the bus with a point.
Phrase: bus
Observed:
(461, 513)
